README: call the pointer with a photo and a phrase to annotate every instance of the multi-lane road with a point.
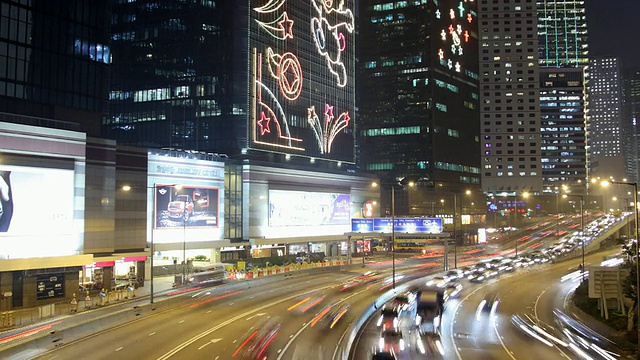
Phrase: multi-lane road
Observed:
(214, 324)
(468, 333)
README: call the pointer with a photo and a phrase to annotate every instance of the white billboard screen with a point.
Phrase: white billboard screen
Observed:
(36, 212)
(301, 208)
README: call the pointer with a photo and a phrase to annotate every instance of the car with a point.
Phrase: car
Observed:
(256, 343)
(383, 355)
(455, 274)
(332, 315)
(181, 207)
(452, 290)
(388, 316)
(439, 281)
(477, 276)
(489, 304)
(391, 340)
(403, 301)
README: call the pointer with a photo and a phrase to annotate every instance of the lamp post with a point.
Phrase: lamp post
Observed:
(581, 228)
(635, 213)
(393, 229)
(515, 220)
(154, 220)
(184, 245)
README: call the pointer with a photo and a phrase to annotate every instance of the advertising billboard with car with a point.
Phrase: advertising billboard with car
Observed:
(302, 208)
(36, 212)
(190, 206)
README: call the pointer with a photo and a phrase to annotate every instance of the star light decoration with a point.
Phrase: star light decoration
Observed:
(455, 36)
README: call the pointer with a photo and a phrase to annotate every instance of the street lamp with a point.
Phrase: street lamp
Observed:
(581, 227)
(152, 250)
(515, 213)
(635, 213)
(393, 229)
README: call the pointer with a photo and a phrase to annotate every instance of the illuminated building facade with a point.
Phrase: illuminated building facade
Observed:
(606, 119)
(271, 80)
(562, 33)
(509, 97)
(418, 94)
(632, 117)
(562, 113)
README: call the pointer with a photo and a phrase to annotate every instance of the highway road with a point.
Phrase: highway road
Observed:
(471, 334)
(214, 324)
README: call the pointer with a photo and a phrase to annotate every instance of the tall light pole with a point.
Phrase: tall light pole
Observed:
(635, 213)
(393, 228)
(581, 227)
(515, 220)
(393, 235)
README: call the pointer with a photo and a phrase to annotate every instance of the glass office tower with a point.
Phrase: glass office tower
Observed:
(269, 79)
(418, 93)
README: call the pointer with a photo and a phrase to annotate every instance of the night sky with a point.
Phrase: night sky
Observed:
(613, 27)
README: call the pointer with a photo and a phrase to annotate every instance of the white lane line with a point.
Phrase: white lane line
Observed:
(205, 344)
(180, 322)
(335, 352)
(495, 328)
(153, 333)
(217, 357)
(208, 311)
(535, 305)
(293, 338)
(118, 349)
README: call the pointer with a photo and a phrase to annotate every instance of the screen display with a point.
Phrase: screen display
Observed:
(186, 206)
(302, 77)
(36, 212)
(301, 208)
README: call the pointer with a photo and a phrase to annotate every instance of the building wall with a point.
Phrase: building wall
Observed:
(562, 33)
(563, 126)
(510, 113)
(605, 119)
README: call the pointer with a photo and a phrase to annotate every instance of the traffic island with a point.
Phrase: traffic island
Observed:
(587, 310)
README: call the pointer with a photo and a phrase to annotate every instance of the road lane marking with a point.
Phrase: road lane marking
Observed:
(335, 352)
(153, 333)
(535, 305)
(118, 349)
(178, 348)
(495, 328)
(180, 322)
(293, 338)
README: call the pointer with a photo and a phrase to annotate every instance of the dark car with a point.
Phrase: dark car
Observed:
(388, 316)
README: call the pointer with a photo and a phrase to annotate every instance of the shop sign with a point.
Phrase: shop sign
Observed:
(49, 286)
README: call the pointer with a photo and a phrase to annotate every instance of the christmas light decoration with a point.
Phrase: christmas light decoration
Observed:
(323, 30)
(325, 132)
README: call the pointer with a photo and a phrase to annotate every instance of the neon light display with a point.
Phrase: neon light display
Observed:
(303, 59)
(456, 32)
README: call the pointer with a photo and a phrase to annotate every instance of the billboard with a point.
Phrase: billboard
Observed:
(186, 206)
(301, 208)
(36, 212)
(49, 286)
(409, 225)
(302, 77)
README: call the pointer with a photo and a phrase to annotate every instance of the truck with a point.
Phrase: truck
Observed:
(429, 309)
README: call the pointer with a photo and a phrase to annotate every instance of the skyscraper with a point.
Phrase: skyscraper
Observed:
(562, 33)
(265, 79)
(509, 97)
(563, 145)
(418, 94)
(606, 124)
(54, 58)
(632, 117)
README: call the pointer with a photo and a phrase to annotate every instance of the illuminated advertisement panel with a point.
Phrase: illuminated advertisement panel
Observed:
(186, 206)
(36, 212)
(302, 77)
(301, 208)
(410, 225)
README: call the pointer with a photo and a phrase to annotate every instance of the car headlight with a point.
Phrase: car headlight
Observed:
(401, 344)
